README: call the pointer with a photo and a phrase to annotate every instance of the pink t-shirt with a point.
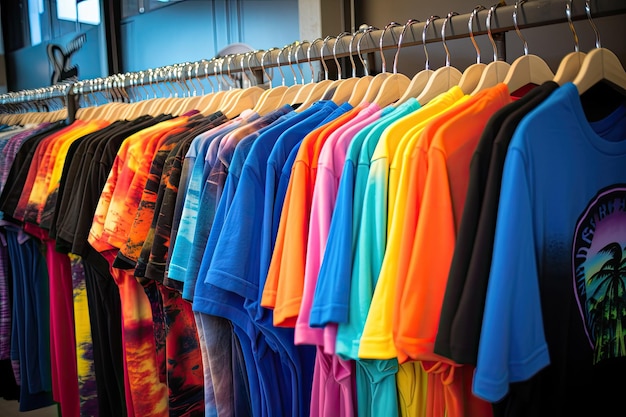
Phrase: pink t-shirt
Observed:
(329, 168)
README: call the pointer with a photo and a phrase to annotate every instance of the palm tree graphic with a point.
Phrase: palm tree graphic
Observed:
(607, 305)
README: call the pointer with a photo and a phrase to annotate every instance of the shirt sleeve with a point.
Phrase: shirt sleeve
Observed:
(290, 272)
(512, 346)
(331, 299)
(422, 294)
(370, 248)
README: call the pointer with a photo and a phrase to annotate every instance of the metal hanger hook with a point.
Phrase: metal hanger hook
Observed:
(408, 24)
(339, 69)
(206, 73)
(470, 26)
(308, 57)
(298, 66)
(593, 25)
(368, 30)
(265, 53)
(568, 13)
(292, 46)
(324, 42)
(489, 34)
(519, 34)
(381, 41)
(352, 64)
(443, 36)
(428, 22)
(282, 74)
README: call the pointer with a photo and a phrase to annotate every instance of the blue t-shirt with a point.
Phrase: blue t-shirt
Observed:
(237, 268)
(555, 295)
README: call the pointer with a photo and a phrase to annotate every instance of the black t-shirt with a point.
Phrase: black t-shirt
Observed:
(462, 310)
(72, 175)
(73, 229)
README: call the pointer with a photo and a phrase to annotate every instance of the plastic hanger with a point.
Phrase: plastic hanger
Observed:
(443, 78)
(393, 85)
(471, 75)
(318, 88)
(528, 69)
(419, 80)
(495, 72)
(571, 63)
(600, 65)
(362, 83)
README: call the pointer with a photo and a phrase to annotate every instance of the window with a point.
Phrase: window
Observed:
(30, 22)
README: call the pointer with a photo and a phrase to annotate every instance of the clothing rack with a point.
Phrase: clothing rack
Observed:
(374, 40)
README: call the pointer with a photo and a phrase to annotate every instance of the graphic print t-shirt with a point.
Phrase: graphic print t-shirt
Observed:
(554, 294)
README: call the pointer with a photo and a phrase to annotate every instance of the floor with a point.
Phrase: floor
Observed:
(11, 409)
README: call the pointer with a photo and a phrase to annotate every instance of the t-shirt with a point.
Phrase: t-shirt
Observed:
(75, 221)
(330, 285)
(184, 239)
(552, 298)
(18, 173)
(463, 302)
(390, 149)
(120, 197)
(449, 156)
(285, 278)
(330, 164)
(365, 265)
(36, 176)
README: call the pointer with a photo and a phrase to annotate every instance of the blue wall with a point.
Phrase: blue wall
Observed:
(193, 30)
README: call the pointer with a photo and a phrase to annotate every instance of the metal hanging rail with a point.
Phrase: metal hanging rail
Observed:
(533, 13)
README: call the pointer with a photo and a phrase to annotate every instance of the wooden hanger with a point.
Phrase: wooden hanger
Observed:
(495, 72)
(529, 68)
(443, 78)
(360, 88)
(601, 64)
(318, 89)
(471, 76)
(272, 98)
(294, 89)
(571, 63)
(419, 80)
(393, 84)
(341, 90)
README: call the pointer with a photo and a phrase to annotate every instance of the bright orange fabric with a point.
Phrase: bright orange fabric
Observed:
(421, 296)
(440, 213)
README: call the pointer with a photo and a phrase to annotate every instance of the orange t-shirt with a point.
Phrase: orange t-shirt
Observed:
(447, 178)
